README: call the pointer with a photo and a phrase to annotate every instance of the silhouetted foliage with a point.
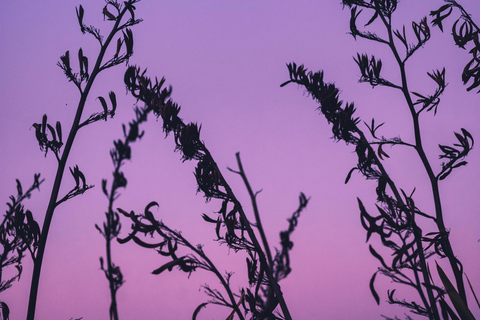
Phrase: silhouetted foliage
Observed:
(231, 224)
(19, 233)
(465, 33)
(397, 223)
(19, 230)
(111, 227)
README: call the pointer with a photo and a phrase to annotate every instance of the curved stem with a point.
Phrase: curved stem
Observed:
(37, 267)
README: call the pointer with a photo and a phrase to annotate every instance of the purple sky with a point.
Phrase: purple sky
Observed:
(225, 61)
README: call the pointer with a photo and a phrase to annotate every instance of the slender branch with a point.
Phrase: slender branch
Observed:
(258, 221)
(253, 238)
(214, 269)
(60, 171)
(433, 179)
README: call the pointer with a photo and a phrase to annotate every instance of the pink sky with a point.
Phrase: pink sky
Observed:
(225, 61)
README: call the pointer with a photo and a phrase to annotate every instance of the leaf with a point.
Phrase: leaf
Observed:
(104, 187)
(447, 311)
(208, 219)
(44, 123)
(104, 106)
(99, 230)
(144, 244)
(418, 95)
(109, 15)
(101, 262)
(217, 228)
(80, 13)
(85, 65)
(113, 99)
(82, 177)
(168, 265)
(5, 310)
(467, 135)
(438, 20)
(390, 295)
(462, 163)
(58, 126)
(349, 175)
(378, 256)
(197, 310)
(373, 18)
(128, 39)
(445, 174)
(80, 60)
(147, 212)
(458, 303)
(382, 153)
(119, 46)
(471, 288)
(19, 188)
(372, 289)
(52, 132)
(75, 176)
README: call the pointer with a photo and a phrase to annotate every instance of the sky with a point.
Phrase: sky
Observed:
(225, 61)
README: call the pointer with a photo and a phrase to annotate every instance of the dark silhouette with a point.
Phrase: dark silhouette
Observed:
(25, 235)
(232, 225)
(399, 220)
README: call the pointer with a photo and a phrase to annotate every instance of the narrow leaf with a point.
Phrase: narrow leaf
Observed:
(208, 219)
(372, 289)
(349, 175)
(104, 187)
(5, 310)
(19, 188)
(58, 126)
(113, 99)
(474, 295)
(378, 256)
(104, 106)
(168, 265)
(457, 301)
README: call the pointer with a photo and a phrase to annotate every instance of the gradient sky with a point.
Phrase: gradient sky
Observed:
(225, 61)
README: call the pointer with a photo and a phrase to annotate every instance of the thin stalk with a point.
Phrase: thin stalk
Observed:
(37, 267)
(418, 237)
(433, 180)
(275, 286)
(214, 269)
(113, 292)
(110, 230)
(253, 197)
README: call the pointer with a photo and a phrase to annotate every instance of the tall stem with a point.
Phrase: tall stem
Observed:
(37, 267)
(446, 246)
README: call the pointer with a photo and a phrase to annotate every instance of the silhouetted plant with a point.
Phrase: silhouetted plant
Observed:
(398, 222)
(20, 234)
(231, 224)
(465, 32)
(111, 227)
